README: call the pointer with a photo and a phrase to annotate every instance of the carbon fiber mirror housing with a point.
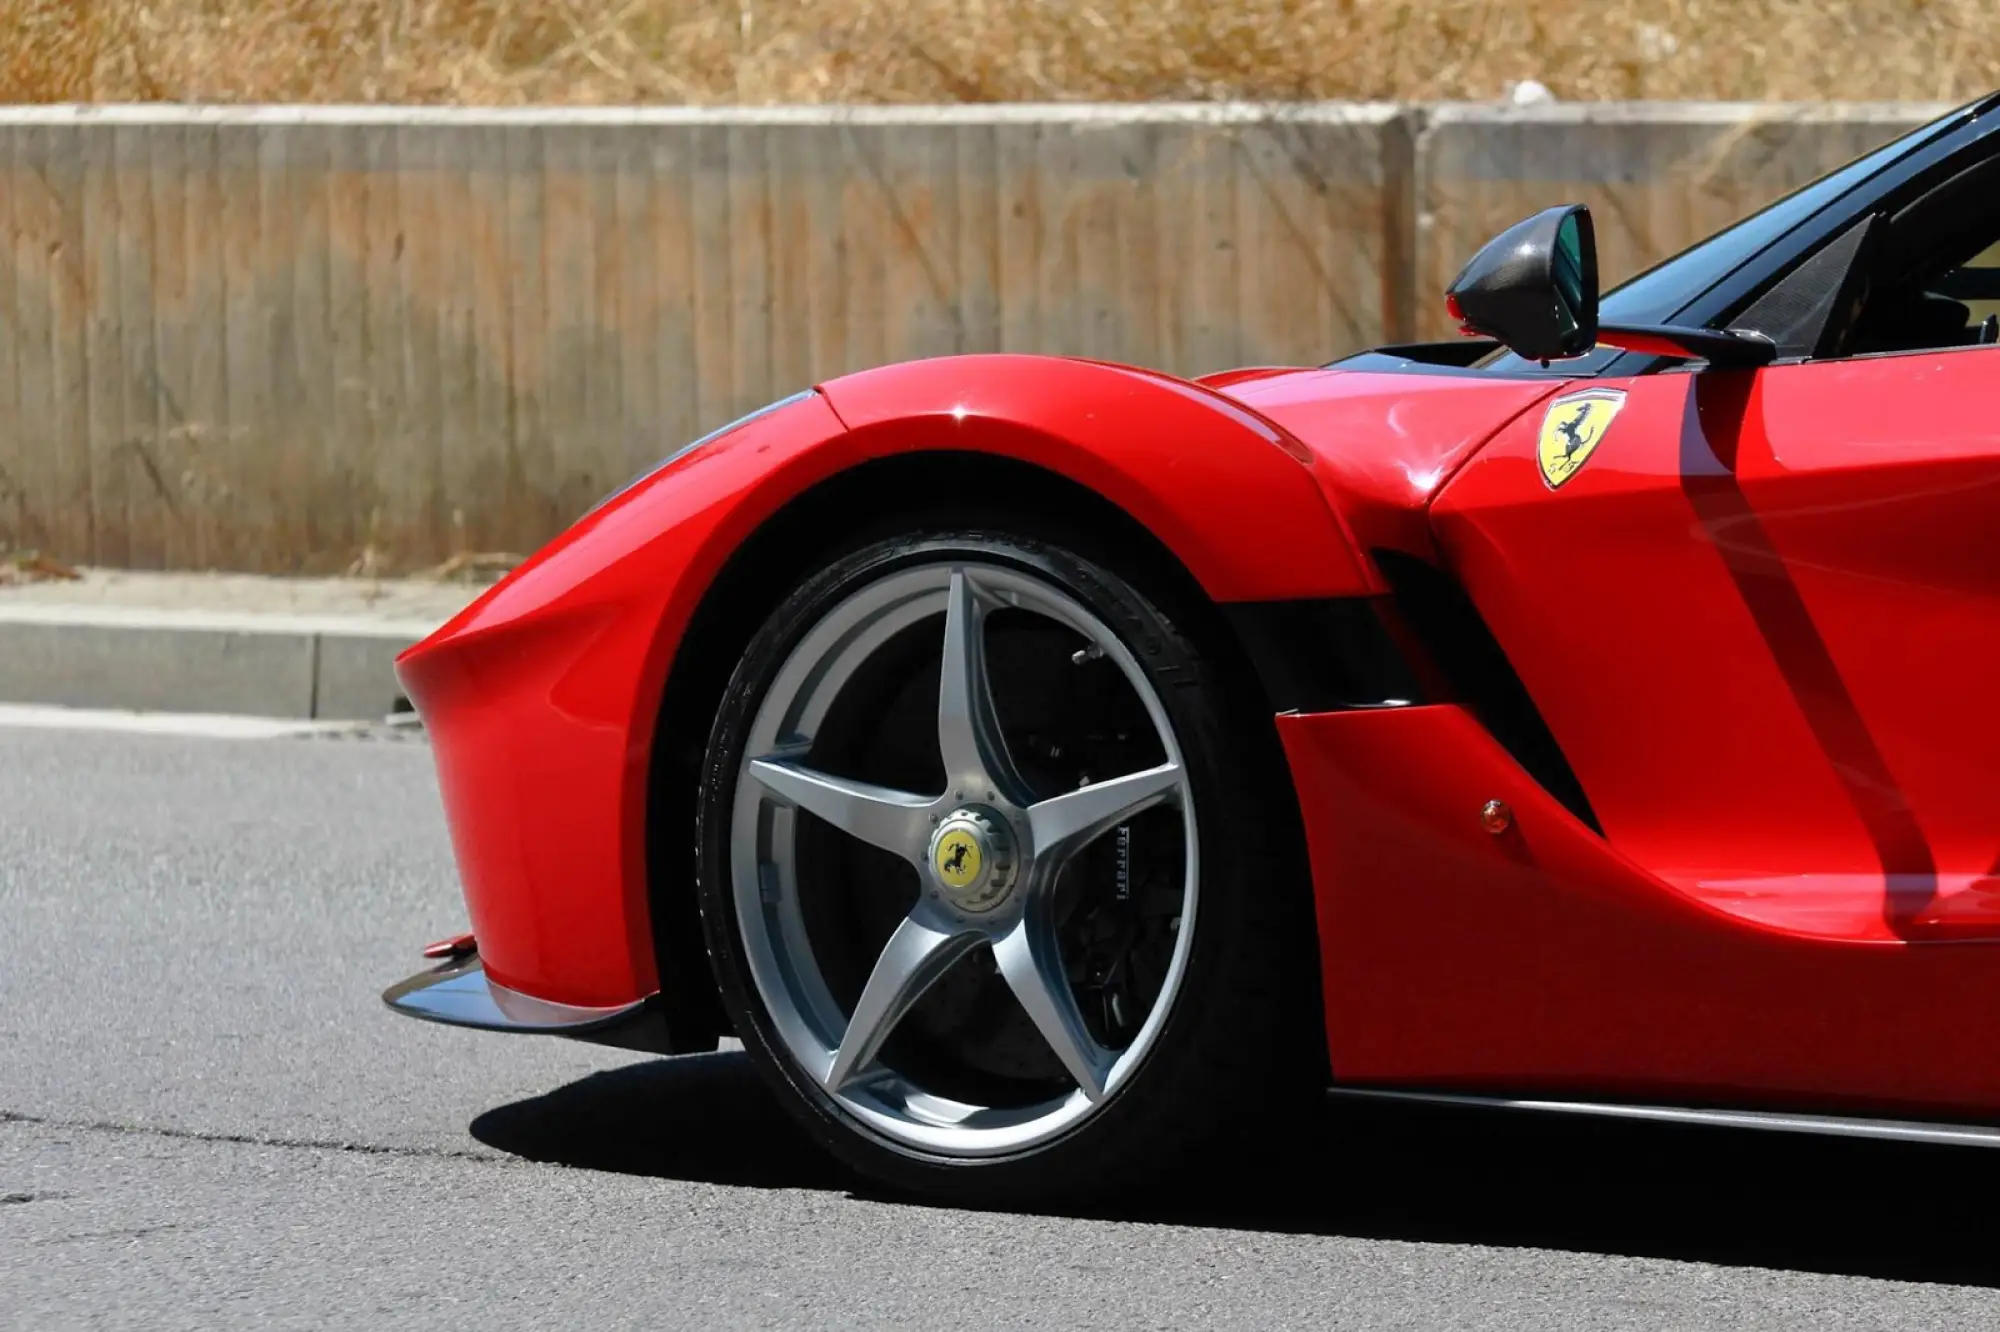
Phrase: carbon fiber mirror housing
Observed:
(1533, 287)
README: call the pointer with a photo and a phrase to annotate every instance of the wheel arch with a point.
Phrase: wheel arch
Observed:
(873, 499)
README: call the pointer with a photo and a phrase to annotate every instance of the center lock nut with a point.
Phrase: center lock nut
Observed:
(972, 859)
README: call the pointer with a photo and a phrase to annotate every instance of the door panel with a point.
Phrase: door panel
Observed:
(1763, 621)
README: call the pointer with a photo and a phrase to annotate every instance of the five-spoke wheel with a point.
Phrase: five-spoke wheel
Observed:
(951, 871)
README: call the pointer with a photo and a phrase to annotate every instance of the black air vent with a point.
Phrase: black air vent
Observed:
(1442, 617)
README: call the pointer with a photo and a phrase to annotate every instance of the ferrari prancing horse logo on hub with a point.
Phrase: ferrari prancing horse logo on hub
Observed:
(957, 858)
(1571, 431)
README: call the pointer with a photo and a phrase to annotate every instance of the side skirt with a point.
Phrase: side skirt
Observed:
(1837, 1126)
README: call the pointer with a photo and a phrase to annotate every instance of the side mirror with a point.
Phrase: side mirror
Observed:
(1533, 287)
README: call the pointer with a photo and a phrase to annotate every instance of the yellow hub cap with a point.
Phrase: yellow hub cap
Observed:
(972, 859)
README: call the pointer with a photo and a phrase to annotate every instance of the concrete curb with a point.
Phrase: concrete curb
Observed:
(329, 668)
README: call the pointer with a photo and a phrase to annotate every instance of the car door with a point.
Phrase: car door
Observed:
(1760, 612)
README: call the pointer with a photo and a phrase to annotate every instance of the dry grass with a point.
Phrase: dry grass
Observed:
(764, 51)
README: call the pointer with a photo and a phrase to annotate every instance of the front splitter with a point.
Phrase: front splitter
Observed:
(461, 994)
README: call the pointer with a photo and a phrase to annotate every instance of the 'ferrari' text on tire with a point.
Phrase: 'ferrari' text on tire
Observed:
(996, 892)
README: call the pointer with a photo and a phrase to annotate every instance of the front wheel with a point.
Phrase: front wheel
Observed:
(993, 875)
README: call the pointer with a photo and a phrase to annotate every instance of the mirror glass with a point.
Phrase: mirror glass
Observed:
(1566, 273)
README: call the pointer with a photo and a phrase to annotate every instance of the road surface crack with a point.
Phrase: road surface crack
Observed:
(128, 1232)
(244, 1140)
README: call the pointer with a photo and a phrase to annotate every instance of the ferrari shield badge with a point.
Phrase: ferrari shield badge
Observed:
(1576, 423)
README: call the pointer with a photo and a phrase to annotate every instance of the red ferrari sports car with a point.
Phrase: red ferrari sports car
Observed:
(1049, 768)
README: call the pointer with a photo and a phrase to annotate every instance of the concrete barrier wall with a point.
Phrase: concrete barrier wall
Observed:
(304, 340)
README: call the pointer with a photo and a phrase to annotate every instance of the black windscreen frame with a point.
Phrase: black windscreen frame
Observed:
(1810, 310)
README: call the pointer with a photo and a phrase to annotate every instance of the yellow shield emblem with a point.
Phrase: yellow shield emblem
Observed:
(1571, 431)
(957, 858)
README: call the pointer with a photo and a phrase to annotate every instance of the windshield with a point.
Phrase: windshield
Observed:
(1661, 292)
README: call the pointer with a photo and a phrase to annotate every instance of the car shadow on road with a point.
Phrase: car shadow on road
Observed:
(1417, 1173)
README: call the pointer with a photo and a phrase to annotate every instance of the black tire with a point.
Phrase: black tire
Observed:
(1242, 1050)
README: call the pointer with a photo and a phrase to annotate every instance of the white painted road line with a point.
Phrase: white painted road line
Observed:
(221, 726)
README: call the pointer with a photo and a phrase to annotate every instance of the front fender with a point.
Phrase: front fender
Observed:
(542, 696)
(1232, 495)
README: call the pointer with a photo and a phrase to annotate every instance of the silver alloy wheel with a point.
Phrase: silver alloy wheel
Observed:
(988, 856)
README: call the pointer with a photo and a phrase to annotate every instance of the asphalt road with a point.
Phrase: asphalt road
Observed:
(207, 1119)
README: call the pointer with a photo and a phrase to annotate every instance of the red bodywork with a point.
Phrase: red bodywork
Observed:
(1761, 622)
